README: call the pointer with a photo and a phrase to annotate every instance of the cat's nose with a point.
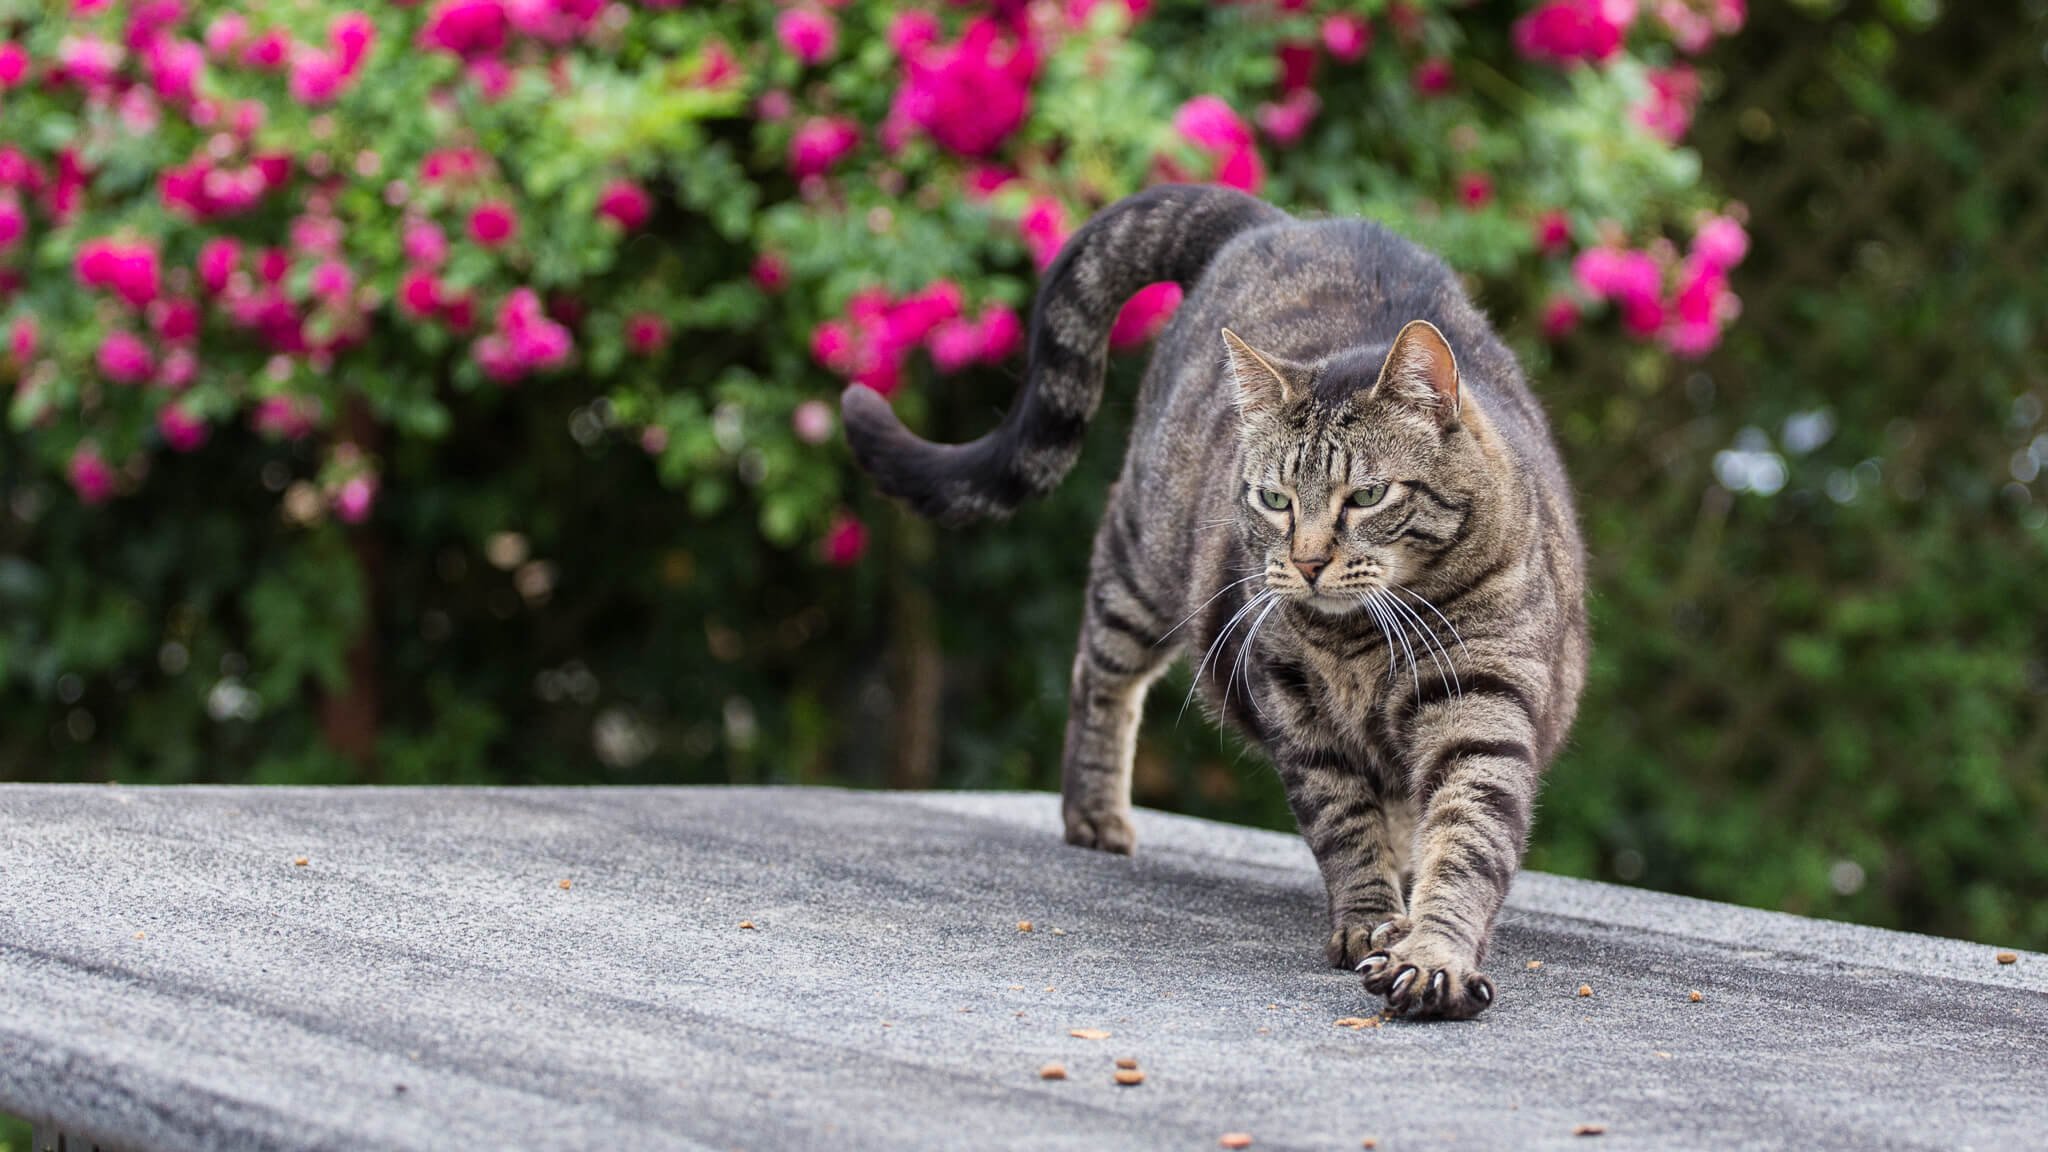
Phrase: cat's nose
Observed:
(1309, 568)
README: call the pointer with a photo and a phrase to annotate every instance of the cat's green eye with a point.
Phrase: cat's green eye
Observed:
(1369, 495)
(1277, 501)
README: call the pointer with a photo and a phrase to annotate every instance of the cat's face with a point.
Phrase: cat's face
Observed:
(1351, 469)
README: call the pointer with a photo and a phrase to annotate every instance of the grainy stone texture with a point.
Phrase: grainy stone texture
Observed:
(425, 981)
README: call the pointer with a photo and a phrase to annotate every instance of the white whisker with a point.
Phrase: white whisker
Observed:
(1433, 645)
(1221, 636)
(1206, 603)
(1251, 637)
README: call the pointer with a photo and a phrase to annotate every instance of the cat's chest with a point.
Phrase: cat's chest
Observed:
(1332, 700)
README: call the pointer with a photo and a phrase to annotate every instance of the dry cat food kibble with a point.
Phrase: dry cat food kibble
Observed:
(1368, 1142)
(1585, 989)
(1129, 1077)
(1356, 1022)
(565, 885)
(1053, 1072)
(1126, 1062)
(1023, 925)
(300, 861)
(1589, 1130)
(746, 924)
(2008, 957)
(1696, 997)
(1236, 1140)
(1533, 965)
(1087, 1033)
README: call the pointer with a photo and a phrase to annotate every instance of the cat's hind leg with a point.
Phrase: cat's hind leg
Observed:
(1121, 653)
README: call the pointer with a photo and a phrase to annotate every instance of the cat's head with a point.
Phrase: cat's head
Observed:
(1359, 470)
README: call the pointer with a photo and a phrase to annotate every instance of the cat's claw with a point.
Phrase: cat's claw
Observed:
(1425, 979)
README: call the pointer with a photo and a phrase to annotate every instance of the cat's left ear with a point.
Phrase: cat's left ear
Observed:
(1422, 371)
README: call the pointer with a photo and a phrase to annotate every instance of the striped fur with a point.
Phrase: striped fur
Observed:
(1404, 633)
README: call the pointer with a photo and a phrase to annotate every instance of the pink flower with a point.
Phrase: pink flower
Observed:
(174, 68)
(268, 52)
(352, 34)
(625, 204)
(13, 220)
(17, 170)
(1674, 93)
(288, 417)
(218, 259)
(1144, 314)
(1288, 121)
(1475, 190)
(13, 65)
(1002, 333)
(1702, 307)
(807, 34)
(1045, 230)
(1213, 126)
(911, 31)
(332, 281)
(419, 294)
(646, 333)
(316, 76)
(466, 28)
(718, 68)
(179, 368)
(1720, 243)
(1694, 24)
(1632, 280)
(1347, 37)
(971, 95)
(353, 499)
(1432, 77)
(525, 340)
(175, 321)
(491, 76)
(831, 343)
(955, 344)
(90, 476)
(181, 430)
(22, 339)
(1560, 316)
(88, 61)
(820, 143)
(812, 422)
(1567, 32)
(124, 359)
(425, 244)
(130, 270)
(770, 272)
(845, 541)
(1298, 63)
(493, 223)
(225, 35)
(1553, 231)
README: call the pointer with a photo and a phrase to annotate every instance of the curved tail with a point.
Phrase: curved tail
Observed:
(1164, 233)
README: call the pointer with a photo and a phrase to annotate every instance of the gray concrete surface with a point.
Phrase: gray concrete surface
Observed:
(171, 979)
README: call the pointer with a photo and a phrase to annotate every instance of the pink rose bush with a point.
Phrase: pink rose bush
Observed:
(346, 225)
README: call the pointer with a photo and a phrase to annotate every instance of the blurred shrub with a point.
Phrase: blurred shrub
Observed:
(442, 391)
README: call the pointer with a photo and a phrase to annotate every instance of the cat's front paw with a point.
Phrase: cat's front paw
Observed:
(1351, 943)
(1103, 831)
(1425, 978)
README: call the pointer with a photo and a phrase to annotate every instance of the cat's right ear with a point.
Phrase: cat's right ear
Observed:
(1262, 382)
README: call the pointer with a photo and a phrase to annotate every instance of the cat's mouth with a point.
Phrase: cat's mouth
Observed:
(1330, 603)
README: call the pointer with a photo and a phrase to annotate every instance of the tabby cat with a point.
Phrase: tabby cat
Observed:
(1342, 501)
